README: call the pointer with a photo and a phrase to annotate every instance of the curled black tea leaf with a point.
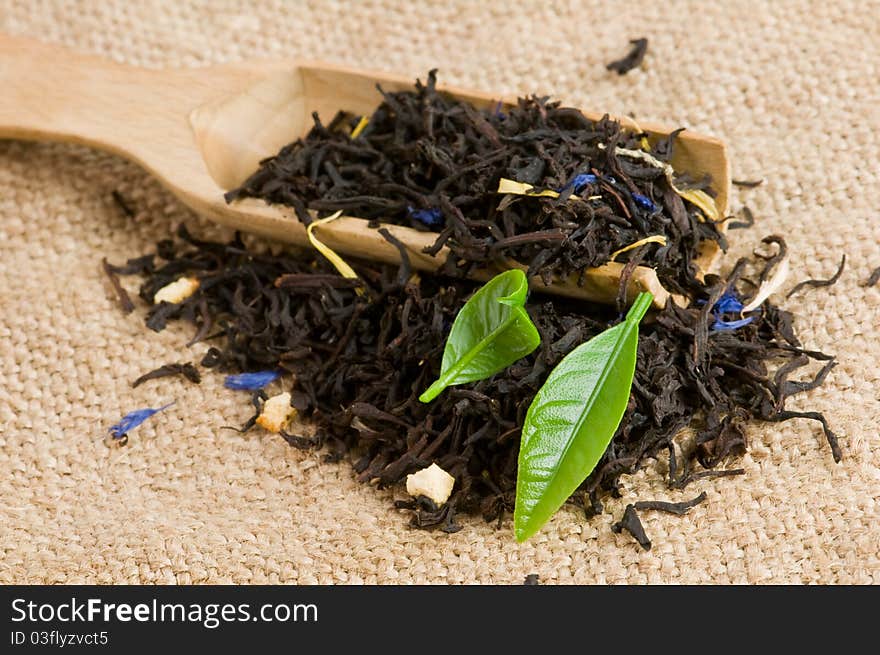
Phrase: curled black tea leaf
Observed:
(747, 184)
(186, 370)
(820, 283)
(631, 522)
(873, 278)
(632, 60)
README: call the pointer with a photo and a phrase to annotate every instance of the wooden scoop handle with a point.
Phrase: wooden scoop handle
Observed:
(54, 94)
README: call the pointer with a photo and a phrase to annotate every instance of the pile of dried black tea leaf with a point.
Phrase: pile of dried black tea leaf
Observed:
(432, 162)
(360, 360)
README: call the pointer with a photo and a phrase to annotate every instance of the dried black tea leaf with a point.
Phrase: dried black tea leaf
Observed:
(537, 183)
(747, 184)
(873, 278)
(678, 509)
(749, 222)
(632, 60)
(187, 371)
(122, 296)
(357, 364)
(820, 283)
(632, 524)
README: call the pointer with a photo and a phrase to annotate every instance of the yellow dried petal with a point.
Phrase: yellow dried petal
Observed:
(702, 200)
(507, 186)
(637, 129)
(646, 157)
(656, 238)
(344, 269)
(362, 123)
(696, 197)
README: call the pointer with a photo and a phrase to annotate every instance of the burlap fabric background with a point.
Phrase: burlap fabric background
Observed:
(791, 86)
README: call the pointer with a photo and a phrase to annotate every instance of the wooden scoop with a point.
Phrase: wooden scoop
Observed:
(203, 131)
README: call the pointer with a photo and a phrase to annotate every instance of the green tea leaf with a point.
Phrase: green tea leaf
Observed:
(572, 419)
(490, 333)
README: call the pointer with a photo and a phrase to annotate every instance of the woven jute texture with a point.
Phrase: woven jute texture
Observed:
(792, 87)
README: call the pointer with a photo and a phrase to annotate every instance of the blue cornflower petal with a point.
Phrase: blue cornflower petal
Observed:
(644, 202)
(250, 381)
(579, 181)
(133, 419)
(719, 325)
(728, 303)
(432, 217)
(582, 180)
(498, 113)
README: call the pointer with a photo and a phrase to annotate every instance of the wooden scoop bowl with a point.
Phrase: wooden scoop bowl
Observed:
(203, 131)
